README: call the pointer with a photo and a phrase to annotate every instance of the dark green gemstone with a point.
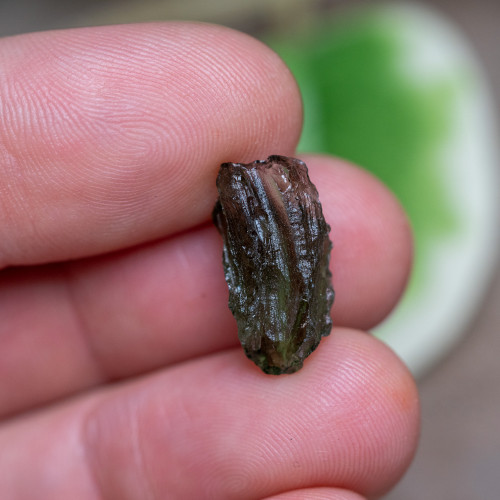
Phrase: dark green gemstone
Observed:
(276, 256)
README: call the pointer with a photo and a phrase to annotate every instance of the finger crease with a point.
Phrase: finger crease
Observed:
(81, 324)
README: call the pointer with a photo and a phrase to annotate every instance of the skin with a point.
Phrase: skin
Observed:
(120, 371)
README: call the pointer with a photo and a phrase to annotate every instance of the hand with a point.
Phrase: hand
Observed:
(121, 376)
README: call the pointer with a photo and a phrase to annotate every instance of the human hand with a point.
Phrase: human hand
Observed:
(120, 371)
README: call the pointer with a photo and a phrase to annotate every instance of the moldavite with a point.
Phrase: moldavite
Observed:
(276, 255)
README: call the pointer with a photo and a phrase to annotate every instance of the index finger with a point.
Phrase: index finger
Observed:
(112, 136)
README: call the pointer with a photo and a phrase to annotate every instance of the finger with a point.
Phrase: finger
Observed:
(372, 242)
(176, 291)
(318, 494)
(112, 136)
(349, 419)
(129, 313)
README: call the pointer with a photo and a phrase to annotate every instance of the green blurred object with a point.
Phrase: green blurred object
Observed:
(361, 105)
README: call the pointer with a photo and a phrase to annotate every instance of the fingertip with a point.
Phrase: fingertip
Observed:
(114, 136)
(349, 418)
(382, 402)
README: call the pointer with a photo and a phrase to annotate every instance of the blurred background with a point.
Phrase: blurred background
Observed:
(411, 92)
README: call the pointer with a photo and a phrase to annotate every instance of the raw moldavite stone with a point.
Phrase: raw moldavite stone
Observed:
(276, 254)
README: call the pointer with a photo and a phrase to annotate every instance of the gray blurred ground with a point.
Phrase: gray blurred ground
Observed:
(459, 455)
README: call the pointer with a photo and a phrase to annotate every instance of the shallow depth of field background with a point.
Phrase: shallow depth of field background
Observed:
(459, 455)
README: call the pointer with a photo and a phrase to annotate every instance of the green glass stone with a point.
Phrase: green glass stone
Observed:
(276, 256)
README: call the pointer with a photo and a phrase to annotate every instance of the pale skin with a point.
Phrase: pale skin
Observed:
(121, 376)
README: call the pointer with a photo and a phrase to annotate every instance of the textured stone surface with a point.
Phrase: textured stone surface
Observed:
(276, 255)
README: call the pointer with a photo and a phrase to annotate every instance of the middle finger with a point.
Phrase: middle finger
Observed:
(128, 313)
